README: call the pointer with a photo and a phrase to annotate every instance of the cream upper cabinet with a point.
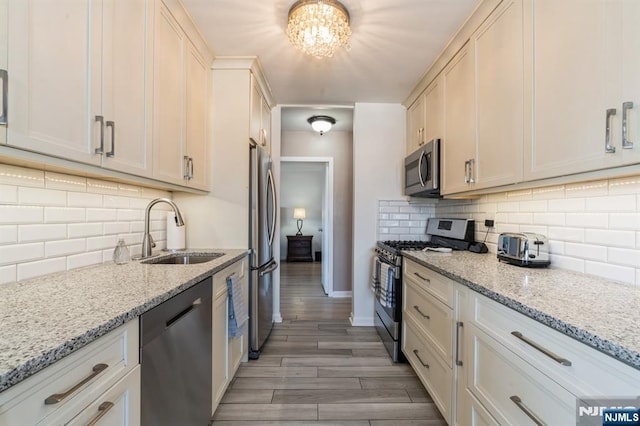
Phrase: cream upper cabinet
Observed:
(82, 102)
(3, 70)
(499, 97)
(574, 129)
(181, 106)
(260, 118)
(434, 110)
(459, 144)
(266, 124)
(50, 89)
(416, 124)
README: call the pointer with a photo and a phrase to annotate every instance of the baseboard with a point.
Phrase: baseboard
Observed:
(277, 317)
(361, 321)
(342, 294)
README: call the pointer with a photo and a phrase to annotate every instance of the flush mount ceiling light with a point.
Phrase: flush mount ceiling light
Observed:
(318, 27)
(321, 123)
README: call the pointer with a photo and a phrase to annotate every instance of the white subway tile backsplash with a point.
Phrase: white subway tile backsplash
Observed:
(102, 187)
(509, 207)
(20, 176)
(566, 234)
(64, 247)
(624, 257)
(101, 215)
(129, 190)
(12, 214)
(100, 243)
(612, 272)
(8, 234)
(18, 253)
(548, 193)
(30, 233)
(587, 220)
(556, 247)
(587, 189)
(549, 219)
(64, 214)
(629, 221)
(533, 206)
(534, 228)
(65, 182)
(40, 196)
(41, 267)
(569, 263)
(84, 199)
(131, 215)
(116, 202)
(8, 194)
(620, 203)
(625, 185)
(521, 218)
(77, 230)
(84, 259)
(389, 209)
(399, 216)
(586, 251)
(610, 238)
(567, 205)
(7, 274)
(118, 228)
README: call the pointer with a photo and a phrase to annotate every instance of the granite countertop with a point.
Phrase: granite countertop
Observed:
(46, 318)
(600, 313)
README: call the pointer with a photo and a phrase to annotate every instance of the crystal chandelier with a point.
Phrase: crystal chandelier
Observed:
(318, 27)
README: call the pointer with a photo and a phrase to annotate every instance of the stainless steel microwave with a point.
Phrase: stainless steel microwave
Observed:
(422, 171)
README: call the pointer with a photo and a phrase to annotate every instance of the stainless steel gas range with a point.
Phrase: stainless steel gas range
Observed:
(386, 280)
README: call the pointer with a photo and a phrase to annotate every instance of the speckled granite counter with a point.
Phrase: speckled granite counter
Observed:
(47, 318)
(597, 312)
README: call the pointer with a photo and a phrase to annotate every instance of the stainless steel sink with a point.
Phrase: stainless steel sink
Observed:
(183, 258)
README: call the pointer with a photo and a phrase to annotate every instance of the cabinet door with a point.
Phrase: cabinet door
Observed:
(3, 68)
(630, 78)
(500, 97)
(168, 104)
(197, 119)
(459, 144)
(49, 88)
(219, 352)
(266, 125)
(415, 124)
(255, 117)
(127, 83)
(434, 111)
(573, 85)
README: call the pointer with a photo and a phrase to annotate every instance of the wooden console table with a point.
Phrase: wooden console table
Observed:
(299, 248)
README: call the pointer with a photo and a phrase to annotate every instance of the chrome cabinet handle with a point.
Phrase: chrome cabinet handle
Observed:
(626, 143)
(415, 352)
(466, 172)
(190, 167)
(112, 153)
(103, 409)
(459, 325)
(4, 75)
(422, 155)
(545, 351)
(421, 277)
(417, 308)
(516, 400)
(607, 137)
(471, 163)
(187, 175)
(421, 136)
(58, 397)
(100, 119)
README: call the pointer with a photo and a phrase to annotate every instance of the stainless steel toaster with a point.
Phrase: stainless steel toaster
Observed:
(524, 249)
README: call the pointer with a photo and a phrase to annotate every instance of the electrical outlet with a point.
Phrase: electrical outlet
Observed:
(488, 223)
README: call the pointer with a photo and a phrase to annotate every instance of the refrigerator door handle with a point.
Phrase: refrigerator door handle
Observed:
(269, 269)
(272, 229)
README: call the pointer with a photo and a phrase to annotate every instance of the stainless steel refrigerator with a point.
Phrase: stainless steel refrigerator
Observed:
(262, 228)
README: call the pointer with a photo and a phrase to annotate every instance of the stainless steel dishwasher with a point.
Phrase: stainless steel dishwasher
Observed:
(175, 359)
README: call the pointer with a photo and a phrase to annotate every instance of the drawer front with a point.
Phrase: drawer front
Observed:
(220, 278)
(590, 372)
(434, 318)
(510, 388)
(118, 406)
(436, 284)
(471, 413)
(435, 375)
(300, 244)
(118, 351)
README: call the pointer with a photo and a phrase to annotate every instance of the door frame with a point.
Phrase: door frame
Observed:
(327, 218)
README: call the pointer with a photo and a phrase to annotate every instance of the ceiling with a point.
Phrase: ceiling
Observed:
(393, 43)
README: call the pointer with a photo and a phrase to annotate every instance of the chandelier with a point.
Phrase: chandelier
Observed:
(318, 27)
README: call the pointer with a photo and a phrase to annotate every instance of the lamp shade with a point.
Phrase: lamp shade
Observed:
(321, 123)
(299, 213)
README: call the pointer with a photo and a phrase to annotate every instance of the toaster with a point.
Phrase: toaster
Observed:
(524, 249)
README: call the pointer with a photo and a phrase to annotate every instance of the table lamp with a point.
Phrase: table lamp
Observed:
(299, 213)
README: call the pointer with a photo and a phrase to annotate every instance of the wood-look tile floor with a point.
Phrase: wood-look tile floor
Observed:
(322, 371)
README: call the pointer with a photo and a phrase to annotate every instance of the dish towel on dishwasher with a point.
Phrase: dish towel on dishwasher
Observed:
(375, 276)
(386, 293)
(238, 312)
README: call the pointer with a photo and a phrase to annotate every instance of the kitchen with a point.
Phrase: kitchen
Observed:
(591, 219)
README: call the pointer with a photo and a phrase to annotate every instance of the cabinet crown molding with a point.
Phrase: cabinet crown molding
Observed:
(250, 63)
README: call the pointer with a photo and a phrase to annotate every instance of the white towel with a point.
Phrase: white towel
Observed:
(238, 312)
(386, 293)
(375, 276)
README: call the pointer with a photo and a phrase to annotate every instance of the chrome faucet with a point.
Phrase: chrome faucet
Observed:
(147, 240)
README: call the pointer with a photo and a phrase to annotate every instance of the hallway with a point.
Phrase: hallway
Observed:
(316, 369)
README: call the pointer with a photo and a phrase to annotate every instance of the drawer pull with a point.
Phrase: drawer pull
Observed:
(421, 277)
(103, 409)
(545, 351)
(58, 397)
(459, 325)
(415, 352)
(417, 308)
(516, 400)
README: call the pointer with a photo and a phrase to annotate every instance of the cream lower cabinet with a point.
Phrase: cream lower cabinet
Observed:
(108, 369)
(227, 352)
(486, 364)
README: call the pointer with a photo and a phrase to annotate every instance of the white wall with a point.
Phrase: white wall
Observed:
(378, 153)
(52, 222)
